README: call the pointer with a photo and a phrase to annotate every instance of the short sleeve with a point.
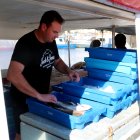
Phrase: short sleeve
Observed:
(21, 53)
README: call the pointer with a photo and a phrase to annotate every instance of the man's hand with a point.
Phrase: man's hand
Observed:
(74, 76)
(63, 68)
(47, 98)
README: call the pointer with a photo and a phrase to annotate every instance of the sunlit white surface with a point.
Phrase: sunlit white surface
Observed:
(137, 22)
(3, 120)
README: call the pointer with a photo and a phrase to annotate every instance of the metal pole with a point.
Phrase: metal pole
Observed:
(69, 61)
(102, 37)
(113, 36)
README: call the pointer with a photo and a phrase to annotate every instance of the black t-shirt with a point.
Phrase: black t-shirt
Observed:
(38, 59)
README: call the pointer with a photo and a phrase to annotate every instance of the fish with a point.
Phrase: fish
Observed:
(70, 107)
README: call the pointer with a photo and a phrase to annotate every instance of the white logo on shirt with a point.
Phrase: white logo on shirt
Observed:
(47, 59)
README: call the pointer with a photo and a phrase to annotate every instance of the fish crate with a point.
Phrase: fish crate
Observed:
(120, 55)
(97, 90)
(60, 117)
(98, 110)
(121, 67)
(101, 109)
(112, 76)
(57, 87)
(112, 110)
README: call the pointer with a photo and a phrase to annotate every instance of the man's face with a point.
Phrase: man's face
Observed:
(51, 32)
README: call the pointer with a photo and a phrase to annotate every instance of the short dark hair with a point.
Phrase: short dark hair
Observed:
(49, 16)
(120, 40)
(95, 43)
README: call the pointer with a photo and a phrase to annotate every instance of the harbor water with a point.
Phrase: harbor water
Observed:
(76, 55)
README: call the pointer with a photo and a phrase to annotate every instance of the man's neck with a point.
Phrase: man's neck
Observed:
(38, 35)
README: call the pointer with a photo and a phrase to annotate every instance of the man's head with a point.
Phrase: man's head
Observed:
(51, 16)
(120, 41)
(50, 26)
(95, 43)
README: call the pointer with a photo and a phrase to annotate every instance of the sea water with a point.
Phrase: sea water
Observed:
(76, 55)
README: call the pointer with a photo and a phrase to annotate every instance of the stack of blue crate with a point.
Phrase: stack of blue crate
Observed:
(114, 65)
(117, 66)
(111, 86)
(111, 82)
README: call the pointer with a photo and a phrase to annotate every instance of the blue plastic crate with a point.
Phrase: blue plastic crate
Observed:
(112, 76)
(127, 68)
(96, 90)
(111, 111)
(57, 87)
(135, 86)
(134, 96)
(98, 110)
(113, 54)
(101, 109)
(67, 120)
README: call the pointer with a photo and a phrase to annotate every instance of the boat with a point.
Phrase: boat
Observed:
(62, 44)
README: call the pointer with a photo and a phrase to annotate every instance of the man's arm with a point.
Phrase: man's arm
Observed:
(16, 77)
(63, 68)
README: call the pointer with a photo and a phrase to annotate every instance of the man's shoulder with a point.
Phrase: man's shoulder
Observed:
(27, 36)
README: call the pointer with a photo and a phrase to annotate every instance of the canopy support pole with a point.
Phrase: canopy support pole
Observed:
(102, 37)
(137, 26)
(69, 61)
(113, 36)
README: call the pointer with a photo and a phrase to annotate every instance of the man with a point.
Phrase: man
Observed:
(31, 65)
(120, 41)
(95, 43)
